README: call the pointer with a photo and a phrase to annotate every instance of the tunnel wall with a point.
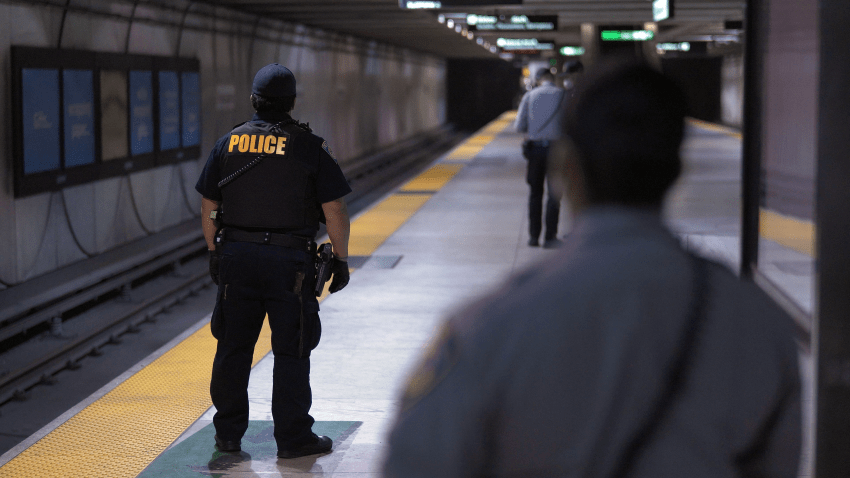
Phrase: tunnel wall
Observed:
(480, 90)
(360, 96)
(700, 78)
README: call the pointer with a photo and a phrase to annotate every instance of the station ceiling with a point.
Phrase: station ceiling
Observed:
(386, 21)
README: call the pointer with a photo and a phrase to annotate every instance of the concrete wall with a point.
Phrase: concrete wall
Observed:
(790, 111)
(359, 95)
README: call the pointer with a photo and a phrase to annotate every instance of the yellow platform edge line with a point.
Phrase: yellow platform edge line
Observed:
(127, 428)
(715, 127)
(793, 233)
(371, 229)
(121, 433)
(432, 179)
(473, 145)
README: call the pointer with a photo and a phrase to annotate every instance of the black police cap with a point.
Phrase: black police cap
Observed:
(274, 81)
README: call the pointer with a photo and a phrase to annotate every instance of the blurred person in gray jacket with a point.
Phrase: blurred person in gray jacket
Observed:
(540, 115)
(624, 355)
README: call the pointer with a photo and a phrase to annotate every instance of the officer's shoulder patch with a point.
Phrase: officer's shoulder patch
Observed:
(440, 357)
(328, 150)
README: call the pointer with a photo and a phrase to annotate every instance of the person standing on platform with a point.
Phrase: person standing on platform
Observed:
(624, 355)
(540, 116)
(265, 187)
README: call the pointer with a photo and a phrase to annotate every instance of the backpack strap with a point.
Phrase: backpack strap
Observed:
(676, 374)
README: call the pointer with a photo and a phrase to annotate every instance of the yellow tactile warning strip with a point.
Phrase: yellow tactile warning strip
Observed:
(467, 150)
(372, 228)
(126, 429)
(499, 124)
(793, 233)
(433, 179)
(715, 127)
(121, 433)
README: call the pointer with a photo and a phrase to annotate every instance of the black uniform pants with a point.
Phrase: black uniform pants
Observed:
(255, 280)
(536, 176)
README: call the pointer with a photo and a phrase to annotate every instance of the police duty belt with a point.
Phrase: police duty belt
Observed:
(244, 169)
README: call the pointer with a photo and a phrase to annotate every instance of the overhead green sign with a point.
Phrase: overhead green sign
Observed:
(627, 35)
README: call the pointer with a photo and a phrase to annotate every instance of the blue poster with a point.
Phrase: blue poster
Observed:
(79, 117)
(40, 95)
(141, 112)
(169, 110)
(191, 109)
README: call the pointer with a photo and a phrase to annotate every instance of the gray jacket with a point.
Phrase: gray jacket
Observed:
(552, 374)
(537, 107)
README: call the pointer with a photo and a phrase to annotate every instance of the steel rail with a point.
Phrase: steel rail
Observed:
(41, 369)
(116, 282)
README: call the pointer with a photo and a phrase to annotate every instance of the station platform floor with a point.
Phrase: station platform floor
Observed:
(452, 233)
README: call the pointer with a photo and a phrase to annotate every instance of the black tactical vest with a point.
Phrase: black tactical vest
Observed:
(277, 193)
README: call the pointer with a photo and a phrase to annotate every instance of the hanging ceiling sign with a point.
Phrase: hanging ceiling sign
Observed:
(512, 22)
(422, 4)
(419, 5)
(662, 10)
(680, 46)
(524, 46)
(479, 3)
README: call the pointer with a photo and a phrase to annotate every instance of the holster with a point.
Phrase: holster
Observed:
(324, 261)
(309, 324)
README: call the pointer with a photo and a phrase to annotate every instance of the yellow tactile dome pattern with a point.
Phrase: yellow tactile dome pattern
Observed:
(122, 432)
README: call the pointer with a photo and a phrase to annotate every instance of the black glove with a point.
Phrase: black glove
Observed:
(340, 271)
(214, 259)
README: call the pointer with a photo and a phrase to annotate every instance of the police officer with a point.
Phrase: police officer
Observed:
(540, 116)
(268, 182)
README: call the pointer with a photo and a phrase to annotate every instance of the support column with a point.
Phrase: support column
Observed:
(590, 42)
(831, 334)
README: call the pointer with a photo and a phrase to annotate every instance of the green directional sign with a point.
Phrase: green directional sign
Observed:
(627, 35)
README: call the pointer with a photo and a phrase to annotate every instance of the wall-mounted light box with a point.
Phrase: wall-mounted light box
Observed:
(79, 116)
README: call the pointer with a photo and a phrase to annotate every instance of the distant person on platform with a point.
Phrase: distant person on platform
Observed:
(268, 182)
(622, 356)
(540, 116)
